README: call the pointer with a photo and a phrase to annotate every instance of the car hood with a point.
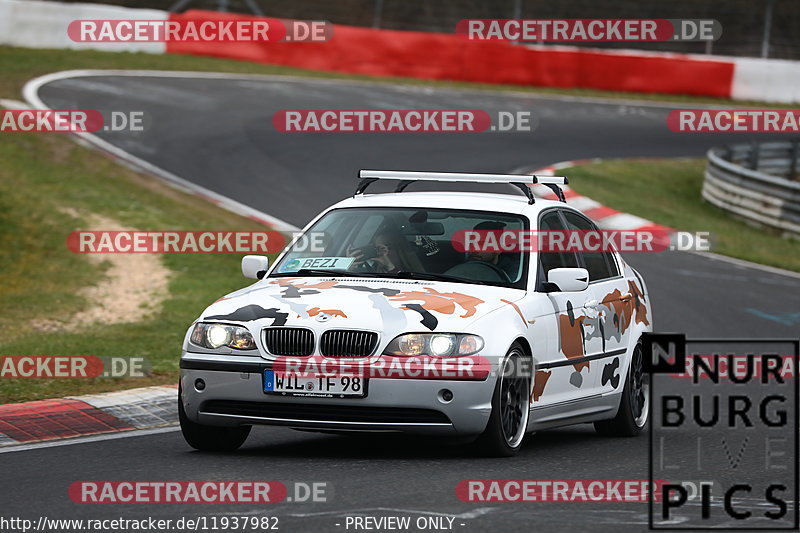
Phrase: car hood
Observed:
(387, 306)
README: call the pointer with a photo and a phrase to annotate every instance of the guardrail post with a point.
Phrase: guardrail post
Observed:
(517, 9)
(754, 153)
(767, 28)
(728, 153)
(377, 14)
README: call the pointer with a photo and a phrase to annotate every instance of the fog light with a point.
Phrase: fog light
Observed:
(199, 385)
(446, 395)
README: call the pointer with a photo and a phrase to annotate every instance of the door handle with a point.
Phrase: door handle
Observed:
(626, 297)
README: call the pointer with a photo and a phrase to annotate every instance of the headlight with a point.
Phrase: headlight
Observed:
(442, 344)
(437, 344)
(213, 336)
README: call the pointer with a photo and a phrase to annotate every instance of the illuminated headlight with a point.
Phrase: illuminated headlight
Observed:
(442, 345)
(213, 336)
(436, 344)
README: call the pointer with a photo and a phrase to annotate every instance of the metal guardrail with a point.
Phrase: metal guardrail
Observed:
(758, 182)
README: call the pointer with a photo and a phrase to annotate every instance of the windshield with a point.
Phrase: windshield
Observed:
(406, 244)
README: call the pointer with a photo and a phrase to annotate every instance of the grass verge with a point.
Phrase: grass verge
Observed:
(667, 191)
(43, 174)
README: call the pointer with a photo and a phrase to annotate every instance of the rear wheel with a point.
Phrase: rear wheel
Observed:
(211, 438)
(634, 406)
(510, 406)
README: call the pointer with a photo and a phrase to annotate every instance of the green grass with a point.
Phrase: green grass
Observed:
(40, 175)
(667, 191)
(18, 65)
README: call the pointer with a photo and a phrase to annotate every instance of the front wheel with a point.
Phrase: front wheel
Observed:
(511, 403)
(634, 406)
(211, 438)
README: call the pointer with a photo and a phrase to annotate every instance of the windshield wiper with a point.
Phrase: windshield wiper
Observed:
(436, 277)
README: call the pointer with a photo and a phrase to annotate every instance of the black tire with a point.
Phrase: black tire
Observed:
(211, 438)
(508, 422)
(634, 406)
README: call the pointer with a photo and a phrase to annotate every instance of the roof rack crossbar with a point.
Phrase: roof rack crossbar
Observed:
(554, 180)
(406, 178)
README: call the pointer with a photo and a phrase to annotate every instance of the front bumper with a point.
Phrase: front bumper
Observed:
(233, 395)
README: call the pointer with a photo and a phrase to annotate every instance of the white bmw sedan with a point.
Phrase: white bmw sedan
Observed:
(386, 323)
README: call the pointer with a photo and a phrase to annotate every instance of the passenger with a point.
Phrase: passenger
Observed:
(504, 261)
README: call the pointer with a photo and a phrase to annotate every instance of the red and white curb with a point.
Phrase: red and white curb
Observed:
(92, 414)
(605, 217)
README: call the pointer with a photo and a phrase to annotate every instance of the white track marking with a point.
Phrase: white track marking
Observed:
(84, 440)
(747, 264)
(31, 93)
(12, 104)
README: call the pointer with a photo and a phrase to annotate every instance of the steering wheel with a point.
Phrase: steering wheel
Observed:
(498, 272)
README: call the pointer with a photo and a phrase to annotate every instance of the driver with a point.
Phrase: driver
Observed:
(381, 256)
(384, 255)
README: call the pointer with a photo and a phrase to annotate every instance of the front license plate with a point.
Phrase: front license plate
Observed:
(293, 384)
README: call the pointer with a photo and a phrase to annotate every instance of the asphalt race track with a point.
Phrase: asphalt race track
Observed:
(219, 134)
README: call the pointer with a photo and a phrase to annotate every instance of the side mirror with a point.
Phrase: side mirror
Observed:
(567, 280)
(254, 266)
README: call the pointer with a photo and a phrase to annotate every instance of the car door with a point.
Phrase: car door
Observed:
(607, 309)
(563, 368)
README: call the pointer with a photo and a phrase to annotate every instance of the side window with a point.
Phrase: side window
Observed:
(549, 260)
(601, 265)
(613, 269)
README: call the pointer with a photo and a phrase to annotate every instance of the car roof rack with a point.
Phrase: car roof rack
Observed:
(521, 181)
